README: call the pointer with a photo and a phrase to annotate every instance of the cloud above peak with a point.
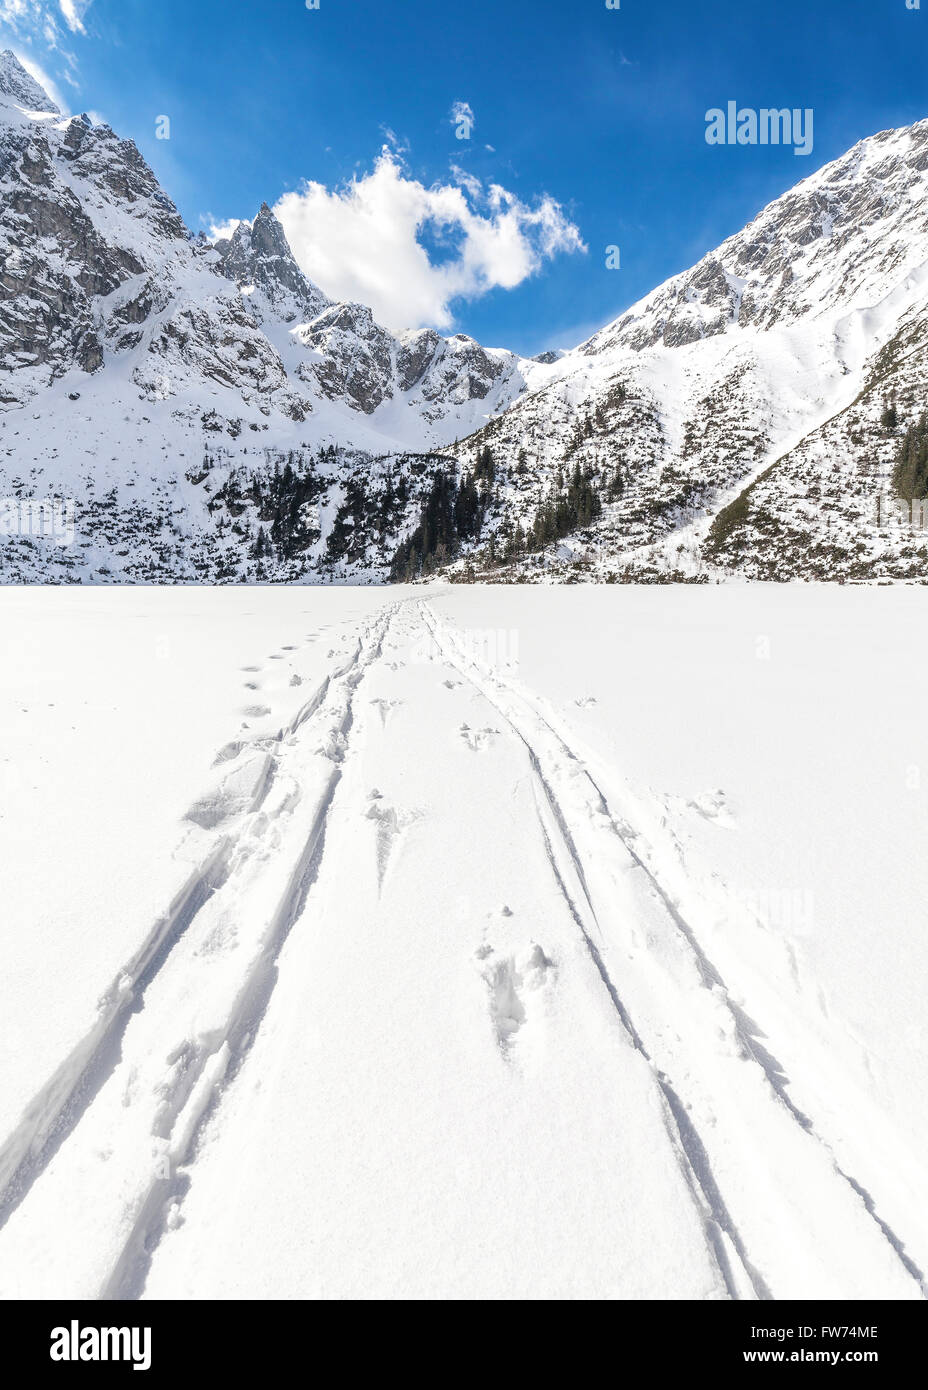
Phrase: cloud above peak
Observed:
(411, 252)
(222, 231)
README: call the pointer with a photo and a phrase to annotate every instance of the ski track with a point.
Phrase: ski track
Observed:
(58, 1107)
(265, 826)
(548, 752)
(200, 1066)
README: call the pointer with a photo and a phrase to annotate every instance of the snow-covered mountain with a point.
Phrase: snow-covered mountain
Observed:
(135, 354)
(754, 386)
(214, 415)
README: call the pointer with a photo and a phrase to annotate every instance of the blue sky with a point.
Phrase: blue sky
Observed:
(599, 112)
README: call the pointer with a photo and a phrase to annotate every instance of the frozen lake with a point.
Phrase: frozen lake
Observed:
(463, 942)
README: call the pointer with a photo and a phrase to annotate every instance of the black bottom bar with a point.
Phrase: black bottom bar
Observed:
(244, 1339)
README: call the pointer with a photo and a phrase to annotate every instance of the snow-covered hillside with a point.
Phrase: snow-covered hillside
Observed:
(436, 950)
(132, 349)
(731, 422)
(801, 320)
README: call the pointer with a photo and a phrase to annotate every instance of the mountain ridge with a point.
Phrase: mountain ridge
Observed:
(217, 367)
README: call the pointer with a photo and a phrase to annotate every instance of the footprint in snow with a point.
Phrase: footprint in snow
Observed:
(226, 754)
(713, 806)
(390, 825)
(514, 983)
(386, 708)
(477, 739)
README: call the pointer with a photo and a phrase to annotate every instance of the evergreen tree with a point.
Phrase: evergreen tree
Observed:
(910, 475)
(567, 510)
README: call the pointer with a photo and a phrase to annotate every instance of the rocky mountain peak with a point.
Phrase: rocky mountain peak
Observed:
(259, 254)
(19, 87)
(829, 242)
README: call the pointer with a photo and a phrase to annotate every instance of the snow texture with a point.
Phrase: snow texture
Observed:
(354, 954)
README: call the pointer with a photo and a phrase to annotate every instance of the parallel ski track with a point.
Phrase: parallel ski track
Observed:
(191, 1092)
(523, 715)
(57, 1110)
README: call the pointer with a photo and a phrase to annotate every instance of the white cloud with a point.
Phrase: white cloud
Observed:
(42, 20)
(222, 231)
(74, 11)
(362, 241)
(469, 182)
(393, 140)
(30, 17)
(19, 14)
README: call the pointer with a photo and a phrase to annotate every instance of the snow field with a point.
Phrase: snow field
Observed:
(445, 1001)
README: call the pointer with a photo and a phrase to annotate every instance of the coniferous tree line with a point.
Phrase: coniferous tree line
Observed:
(910, 475)
(454, 512)
(570, 508)
(282, 495)
(375, 510)
(367, 515)
(285, 493)
(273, 509)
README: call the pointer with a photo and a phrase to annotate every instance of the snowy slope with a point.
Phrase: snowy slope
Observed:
(729, 367)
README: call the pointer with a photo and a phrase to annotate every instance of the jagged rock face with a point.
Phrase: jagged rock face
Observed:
(259, 255)
(358, 356)
(832, 241)
(53, 261)
(453, 370)
(116, 171)
(21, 89)
(218, 341)
(463, 370)
(417, 352)
(60, 257)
